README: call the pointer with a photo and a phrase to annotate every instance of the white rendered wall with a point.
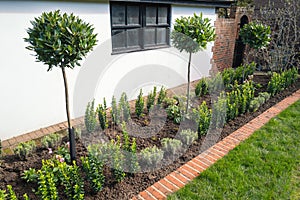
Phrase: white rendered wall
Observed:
(32, 98)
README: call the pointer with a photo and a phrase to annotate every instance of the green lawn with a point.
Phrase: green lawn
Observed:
(266, 166)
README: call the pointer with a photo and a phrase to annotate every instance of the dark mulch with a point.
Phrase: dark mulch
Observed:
(11, 167)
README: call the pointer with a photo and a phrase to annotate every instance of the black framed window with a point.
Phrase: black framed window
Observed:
(139, 26)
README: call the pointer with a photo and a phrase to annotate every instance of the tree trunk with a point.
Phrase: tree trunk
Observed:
(189, 82)
(70, 129)
(66, 96)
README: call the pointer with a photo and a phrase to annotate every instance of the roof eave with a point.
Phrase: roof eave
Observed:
(203, 3)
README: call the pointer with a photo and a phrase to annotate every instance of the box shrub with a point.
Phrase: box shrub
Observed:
(139, 104)
(90, 117)
(201, 87)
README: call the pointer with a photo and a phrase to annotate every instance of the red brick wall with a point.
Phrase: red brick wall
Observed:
(223, 49)
(227, 33)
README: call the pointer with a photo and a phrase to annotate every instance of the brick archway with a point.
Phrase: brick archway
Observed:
(239, 49)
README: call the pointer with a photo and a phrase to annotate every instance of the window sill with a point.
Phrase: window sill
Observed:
(121, 51)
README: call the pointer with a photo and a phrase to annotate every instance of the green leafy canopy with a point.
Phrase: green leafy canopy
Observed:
(192, 33)
(256, 35)
(60, 40)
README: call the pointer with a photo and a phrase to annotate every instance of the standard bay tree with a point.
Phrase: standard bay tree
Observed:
(61, 40)
(192, 34)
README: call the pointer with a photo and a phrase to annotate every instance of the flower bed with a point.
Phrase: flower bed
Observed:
(115, 184)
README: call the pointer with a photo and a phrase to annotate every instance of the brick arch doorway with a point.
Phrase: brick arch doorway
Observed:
(239, 48)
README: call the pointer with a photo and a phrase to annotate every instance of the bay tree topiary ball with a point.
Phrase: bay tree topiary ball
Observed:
(192, 34)
(60, 40)
(256, 35)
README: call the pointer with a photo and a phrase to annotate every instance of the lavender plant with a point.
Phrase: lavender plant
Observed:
(50, 141)
(187, 137)
(151, 157)
(171, 146)
(24, 149)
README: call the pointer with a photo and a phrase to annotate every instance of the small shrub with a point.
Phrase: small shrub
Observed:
(151, 99)
(219, 110)
(30, 175)
(118, 162)
(11, 193)
(46, 182)
(90, 117)
(258, 101)
(55, 174)
(101, 110)
(25, 196)
(115, 112)
(93, 169)
(171, 146)
(103, 151)
(71, 180)
(201, 87)
(63, 154)
(162, 95)
(232, 103)
(174, 112)
(202, 116)
(50, 141)
(169, 102)
(151, 156)
(275, 85)
(254, 105)
(238, 100)
(134, 164)
(126, 144)
(3, 194)
(139, 104)
(247, 94)
(124, 108)
(24, 149)
(215, 84)
(228, 76)
(77, 132)
(187, 137)
(281, 81)
(265, 95)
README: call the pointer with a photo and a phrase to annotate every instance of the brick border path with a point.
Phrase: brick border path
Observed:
(14, 141)
(190, 170)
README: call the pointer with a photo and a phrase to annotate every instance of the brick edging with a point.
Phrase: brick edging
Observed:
(190, 170)
(14, 141)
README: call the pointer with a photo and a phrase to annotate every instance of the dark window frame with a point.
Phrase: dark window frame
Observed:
(142, 26)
